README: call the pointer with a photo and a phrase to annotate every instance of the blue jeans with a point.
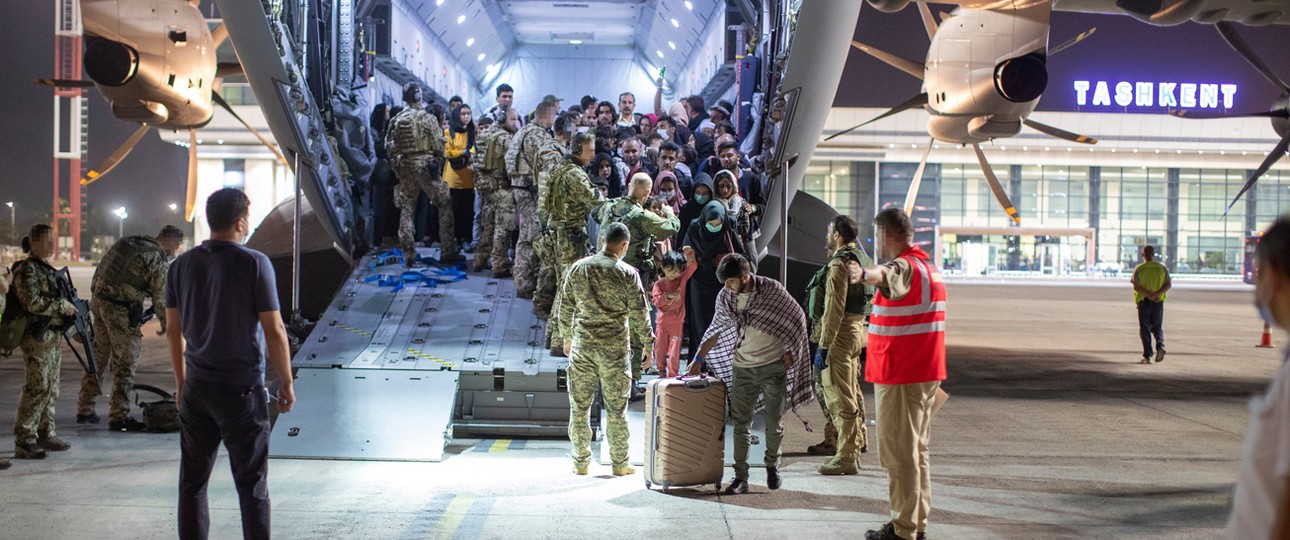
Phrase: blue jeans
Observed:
(237, 416)
(1151, 320)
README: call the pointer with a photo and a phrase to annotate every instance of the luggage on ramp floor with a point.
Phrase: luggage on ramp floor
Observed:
(685, 426)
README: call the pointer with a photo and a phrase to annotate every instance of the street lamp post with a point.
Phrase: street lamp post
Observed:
(13, 224)
(121, 215)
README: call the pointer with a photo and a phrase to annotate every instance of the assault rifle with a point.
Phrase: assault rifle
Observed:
(80, 321)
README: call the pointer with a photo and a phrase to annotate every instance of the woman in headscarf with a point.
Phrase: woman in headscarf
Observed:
(666, 187)
(459, 173)
(695, 202)
(645, 123)
(385, 214)
(712, 236)
(603, 167)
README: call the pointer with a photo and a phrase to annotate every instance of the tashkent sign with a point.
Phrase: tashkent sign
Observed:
(1168, 95)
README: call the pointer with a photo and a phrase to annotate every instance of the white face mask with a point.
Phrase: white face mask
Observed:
(663, 133)
(668, 194)
(583, 129)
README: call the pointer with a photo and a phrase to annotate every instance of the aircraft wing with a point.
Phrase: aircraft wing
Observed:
(1159, 12)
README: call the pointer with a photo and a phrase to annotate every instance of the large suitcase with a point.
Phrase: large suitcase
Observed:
(685, 427)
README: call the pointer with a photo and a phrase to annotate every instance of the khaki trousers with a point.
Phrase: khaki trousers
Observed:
(904, 426)
(841, 384)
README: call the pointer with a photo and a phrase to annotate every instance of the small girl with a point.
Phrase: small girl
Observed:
(669, 298)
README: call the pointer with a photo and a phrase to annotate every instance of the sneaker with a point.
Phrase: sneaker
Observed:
(737, 487)
(53, 444)
(580, 470)
(839, 467)
(886, 532)
(28, 451)
(773, 480)
(129, 424)
(625, 470)
(824, 448)
(1160, 355)
(1145, 360)
(91, 418)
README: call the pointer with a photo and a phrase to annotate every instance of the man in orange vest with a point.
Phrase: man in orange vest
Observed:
(906, 364)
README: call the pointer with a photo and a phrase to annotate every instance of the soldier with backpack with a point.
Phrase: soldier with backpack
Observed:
(522, 166)
(415, 144)
(837, 304)
(133, 269)
(572, 197)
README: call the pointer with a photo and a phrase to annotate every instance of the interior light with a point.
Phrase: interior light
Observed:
(438, 2)
(688, 5)
(461, 19)
(659, 53)
(470, 42)
(676, 23)
(199, 141)
(672, 45)
(575, 42)
(481, 57)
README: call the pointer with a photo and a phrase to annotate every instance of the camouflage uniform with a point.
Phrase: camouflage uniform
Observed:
(570, 202)
(134, 268)
(522, 166)
(552, 255)
(417, 156)
(645, 228)
(498, 208)
(605, 316)
(37, 288)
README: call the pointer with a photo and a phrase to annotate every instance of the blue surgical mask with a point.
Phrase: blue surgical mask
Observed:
(711, 228)
(702, 199)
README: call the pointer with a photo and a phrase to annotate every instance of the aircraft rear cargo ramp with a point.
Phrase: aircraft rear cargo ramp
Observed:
(399, 362)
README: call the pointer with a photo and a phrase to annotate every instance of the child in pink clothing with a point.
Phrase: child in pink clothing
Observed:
(669, 298)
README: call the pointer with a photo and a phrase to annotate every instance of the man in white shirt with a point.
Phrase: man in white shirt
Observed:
(1260, 508)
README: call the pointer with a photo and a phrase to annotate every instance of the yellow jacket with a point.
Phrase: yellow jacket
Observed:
(457, 145)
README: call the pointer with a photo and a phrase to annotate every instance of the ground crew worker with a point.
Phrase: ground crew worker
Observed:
(550, 156)
(603, 319)
(36, 285)
(646, 227)
(4, 293)
(415, 144)
(571, 200)
(495, 185)
(838, 307)
(1150, 283)
(522, 166)
(906, 364)
(133, 269)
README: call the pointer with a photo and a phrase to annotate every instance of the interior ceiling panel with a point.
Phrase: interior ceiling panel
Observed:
(545, 22)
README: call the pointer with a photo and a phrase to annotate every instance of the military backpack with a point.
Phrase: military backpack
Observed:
(859, 296)
(13, 322)
(404, 135)
(160, 416)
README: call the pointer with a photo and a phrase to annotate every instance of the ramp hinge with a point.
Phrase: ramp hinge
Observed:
(499, 379)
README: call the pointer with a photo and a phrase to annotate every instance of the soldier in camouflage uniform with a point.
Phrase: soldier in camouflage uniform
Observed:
(646, 227)
(495, 185)
(36, 285)
(604, 316)
(522, 166)
(551, 155)
(414, 141)
(570, 201)
(133, 269)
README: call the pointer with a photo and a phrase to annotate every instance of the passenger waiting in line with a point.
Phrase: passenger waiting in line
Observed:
(626, 110)
(605, 114)
(694, 203)
(459, 174)
(645, 124)
(665, 187)
(1150, 283)
(712, 236)
(669, 297)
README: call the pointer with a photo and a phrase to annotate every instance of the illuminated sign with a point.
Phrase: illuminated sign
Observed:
(1168, 95)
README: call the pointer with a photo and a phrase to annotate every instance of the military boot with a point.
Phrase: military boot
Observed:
(5, 464)
(28, 451)
(839, 466)
(625, 470)
(53, 444)
(580, 469)
(824, 448)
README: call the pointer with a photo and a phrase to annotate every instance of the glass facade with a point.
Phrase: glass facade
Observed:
(1183, 212)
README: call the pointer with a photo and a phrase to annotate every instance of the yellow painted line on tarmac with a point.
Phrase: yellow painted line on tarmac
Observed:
(500, 445)
(453, 515)
(441, 361)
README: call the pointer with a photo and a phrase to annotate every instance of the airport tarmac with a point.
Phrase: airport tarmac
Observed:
(1053, 431)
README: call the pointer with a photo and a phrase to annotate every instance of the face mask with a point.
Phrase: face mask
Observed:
(583, 129)
(712, 229)
(668, 194)
(702, 199)
(663, 133)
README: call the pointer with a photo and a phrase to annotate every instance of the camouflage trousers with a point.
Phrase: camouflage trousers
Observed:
(604, 368)
(116, 346)
(560, 248)
(36, 404)
(525, 259)
(503, 203)
(484, 221)
(419, 174)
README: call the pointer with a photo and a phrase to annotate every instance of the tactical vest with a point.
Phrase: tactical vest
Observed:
(406, 133)
(859, 298)
(522, 164)
(556, 208)
(624, 210)
(115, 266)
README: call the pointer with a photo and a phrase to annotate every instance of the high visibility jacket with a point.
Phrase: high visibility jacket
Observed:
(907, 336)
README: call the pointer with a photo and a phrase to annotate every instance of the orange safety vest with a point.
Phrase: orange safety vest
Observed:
(907, 336)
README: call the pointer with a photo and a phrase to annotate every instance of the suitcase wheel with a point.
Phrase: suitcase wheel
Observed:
(717, 486)
(648, 485)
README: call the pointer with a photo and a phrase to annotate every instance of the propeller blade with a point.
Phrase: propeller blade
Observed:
(220, 101)
(916, 101)
(904, 64)
(929, 23)
(1072, 42)
(66, 83)
(190, 200)
(912, 194)
(999, 194)
(219, 34)
(1228, 31)
(226, 69)
(1209, 115)
(1059, 133)
(115, 157)
(1277, 153)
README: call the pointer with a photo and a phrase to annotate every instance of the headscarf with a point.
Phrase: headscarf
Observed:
(613, 181)
(679, 199)
(455, 125)
(693, 207)
(677, 112)
(710, 246)
(653, 121)
(730, 177)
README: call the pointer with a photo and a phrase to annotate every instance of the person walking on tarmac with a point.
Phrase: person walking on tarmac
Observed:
(1150, 283)
(415, 144)
(603, 317)
(571, 200)
(133, 269)
(36, 286)
(837, 304)
(906, 364)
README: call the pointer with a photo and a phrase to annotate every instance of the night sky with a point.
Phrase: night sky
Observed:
(153, 176)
